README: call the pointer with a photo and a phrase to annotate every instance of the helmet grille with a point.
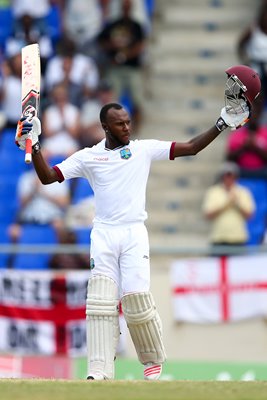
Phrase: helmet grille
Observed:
(235, 100)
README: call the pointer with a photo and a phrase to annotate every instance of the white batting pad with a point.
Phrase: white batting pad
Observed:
(145, 327)
(102, 315)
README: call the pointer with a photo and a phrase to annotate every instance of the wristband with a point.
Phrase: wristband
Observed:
(221, 125)
(36, 148)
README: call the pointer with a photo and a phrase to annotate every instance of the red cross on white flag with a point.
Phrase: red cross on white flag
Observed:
(219, 289)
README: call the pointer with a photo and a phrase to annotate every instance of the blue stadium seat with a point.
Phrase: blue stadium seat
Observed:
(150, 7)
(7, 140)
(256, 232)
(256, 229)
(4, 239)
(53, 21)
(6, 25)
(12, 163)
(53, 160)
(257, 224)
(81, 190)
(35, 235)
(8, 212)
(12, 166)
(9, 202)
(258, 188)
(83, 235)
(127, 103)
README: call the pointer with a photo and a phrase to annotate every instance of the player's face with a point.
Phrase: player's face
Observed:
(118, 127)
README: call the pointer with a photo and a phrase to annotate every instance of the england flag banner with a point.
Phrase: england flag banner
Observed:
(219, 289)
(43, 312)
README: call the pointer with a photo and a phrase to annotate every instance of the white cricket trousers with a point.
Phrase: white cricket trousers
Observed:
(121, 253)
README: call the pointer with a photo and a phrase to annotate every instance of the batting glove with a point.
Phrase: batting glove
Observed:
(24, 128)
(231, 119)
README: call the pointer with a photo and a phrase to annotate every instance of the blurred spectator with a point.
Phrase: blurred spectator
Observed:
(252, 46)
(68, 261)
(76, 91)
(60, 125)
(228, 206)
(80, 214)
(27, 31)
(37, 11)
(123, 45)
(247, 147)
(76, 69)
(39, 204)
(140, 12)
(83, 21)
(91, 128)
(105, 9)
(10, 89)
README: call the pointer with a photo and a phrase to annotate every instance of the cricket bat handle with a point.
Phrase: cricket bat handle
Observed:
(28, 149)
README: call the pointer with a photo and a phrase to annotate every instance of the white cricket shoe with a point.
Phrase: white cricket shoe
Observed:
(152, 371)
(96, 377)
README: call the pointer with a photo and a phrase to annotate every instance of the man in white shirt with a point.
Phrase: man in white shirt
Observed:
(39, 204)
(21, 7)
(71, 66)
(117, 169)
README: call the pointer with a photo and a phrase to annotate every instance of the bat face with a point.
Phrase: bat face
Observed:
(30, 88)
(31, 77)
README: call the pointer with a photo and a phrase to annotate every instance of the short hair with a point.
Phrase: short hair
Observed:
(104, 110)
(229, 167)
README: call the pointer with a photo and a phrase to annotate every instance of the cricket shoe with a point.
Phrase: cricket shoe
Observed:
(96, 377)
(152, 371)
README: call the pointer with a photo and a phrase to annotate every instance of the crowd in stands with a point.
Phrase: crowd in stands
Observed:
(80, 42)
(246, 152)
(93, 52)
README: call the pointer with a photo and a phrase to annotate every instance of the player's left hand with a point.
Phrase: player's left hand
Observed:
(24, 128)
(229, 118)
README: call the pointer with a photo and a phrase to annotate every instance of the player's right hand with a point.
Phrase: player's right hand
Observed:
(24, 127)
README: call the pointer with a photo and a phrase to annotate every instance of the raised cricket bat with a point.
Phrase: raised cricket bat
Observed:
(30, 88)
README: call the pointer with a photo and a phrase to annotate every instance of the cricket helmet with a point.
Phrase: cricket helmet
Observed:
(243, 81)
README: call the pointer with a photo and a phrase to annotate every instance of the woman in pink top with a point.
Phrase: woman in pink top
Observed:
(248, 146)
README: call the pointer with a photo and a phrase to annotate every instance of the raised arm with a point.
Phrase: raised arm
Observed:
(45, 173)
(198, 143)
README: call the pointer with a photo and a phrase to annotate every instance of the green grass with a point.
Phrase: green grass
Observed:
(39, 389)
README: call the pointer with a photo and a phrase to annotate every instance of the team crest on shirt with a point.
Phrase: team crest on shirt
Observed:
(92, 263)
(125, 153)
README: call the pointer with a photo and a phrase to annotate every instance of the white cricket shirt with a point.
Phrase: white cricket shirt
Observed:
(118, 177)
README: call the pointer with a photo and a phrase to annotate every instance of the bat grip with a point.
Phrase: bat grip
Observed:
(28, 149)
